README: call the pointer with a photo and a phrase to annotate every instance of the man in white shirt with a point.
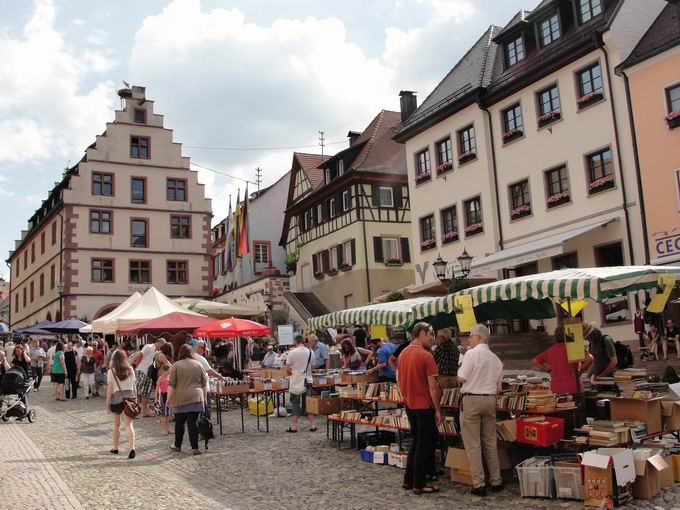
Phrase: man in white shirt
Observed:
(481, 374)
(79, 349)
(143, 360)
(50, 355)
(199, 354)
(300, 360)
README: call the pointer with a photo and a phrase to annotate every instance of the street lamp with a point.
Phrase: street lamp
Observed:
(456, 280)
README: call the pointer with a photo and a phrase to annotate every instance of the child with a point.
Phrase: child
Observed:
(162, 396)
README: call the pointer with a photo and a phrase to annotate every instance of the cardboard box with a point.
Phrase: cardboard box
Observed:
(607, 473)
(274, 385)
(323, 406)
(273, 373)
(647, 411)
(239, 389)
(360, 378)
(457, 461)
(670, 410)
(649, 476)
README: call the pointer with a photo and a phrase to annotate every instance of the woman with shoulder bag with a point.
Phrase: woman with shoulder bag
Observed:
(121, 396)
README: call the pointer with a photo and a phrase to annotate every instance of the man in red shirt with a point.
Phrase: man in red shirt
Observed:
(417, 379)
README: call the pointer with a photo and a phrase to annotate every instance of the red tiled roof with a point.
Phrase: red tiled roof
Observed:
(309, 163)
(381, 153)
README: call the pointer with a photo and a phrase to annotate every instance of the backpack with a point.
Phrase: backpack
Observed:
(624, 355)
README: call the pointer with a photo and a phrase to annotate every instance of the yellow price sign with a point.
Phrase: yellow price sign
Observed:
(573, 340)
(465, 314)
(658, 302)
(576, 306)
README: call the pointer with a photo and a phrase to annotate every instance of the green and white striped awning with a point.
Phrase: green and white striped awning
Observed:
(597, 283)
(394, 313)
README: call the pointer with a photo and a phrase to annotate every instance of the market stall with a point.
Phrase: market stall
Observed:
(99, 325)
(216, 309)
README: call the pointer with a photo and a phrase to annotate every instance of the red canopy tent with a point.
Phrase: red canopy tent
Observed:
(169, 324)
(230, 328)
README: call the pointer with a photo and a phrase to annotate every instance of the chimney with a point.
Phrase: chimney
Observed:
(353, 135)
(408, 103)
(138, 92)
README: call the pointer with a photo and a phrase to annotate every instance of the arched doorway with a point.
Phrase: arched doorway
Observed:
(49, 316)
(57, 317)
(104, 310)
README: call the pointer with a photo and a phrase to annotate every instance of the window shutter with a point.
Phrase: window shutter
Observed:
(405, 250)
(354, 252)
(397, 196)
(315, 264)
(325, 262)
(375, 195)
(378, 249)
(338, 249)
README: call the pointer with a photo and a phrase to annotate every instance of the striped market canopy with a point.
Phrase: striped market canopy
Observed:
(394, 313)
(597, 283)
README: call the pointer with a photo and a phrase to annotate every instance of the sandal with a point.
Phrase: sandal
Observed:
(291, 430)
(428, 489)
(314, 429)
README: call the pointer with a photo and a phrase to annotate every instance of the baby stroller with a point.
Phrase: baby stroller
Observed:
(14, 386)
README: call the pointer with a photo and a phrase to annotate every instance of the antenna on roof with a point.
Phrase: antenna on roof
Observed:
(321, 140)
(258, 177)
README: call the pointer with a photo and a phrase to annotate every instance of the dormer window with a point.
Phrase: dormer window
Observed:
(328, 175)
(549, 29)
(514, 51)
(588, 9)
(341, 167)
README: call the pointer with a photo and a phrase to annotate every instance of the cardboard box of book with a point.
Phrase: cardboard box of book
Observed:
(652, 472)
(360, 378)
(273, 373)
(670, 410)
(264, 384)
(608, 473)
(647, 411)
(457, 461)
(323, 406)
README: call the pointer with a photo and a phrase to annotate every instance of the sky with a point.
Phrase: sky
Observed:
(239, 74)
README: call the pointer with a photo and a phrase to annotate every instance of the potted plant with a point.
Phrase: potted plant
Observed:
(520, 211)
(449, 237)
(549, 118)
(467, 156)
(345, 266)
(511, 135)
(473, 229)
(319, 275)
(291, 261)
(425, 176)
(559, 198)
(393, 262)
(427, 244)
(590, 98)
(673, 120)
(444, 167)
(601, 184)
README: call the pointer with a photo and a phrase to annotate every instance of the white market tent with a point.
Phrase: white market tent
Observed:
(217, 309)
(393, 313)
(98, 323)
(151, 305)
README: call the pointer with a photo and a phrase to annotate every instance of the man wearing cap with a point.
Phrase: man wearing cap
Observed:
(269, 358)
(602, 350)
(320, 351)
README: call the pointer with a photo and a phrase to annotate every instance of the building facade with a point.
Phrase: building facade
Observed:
(522, 155)
(128, 216)
(347, 220)
(652, 73)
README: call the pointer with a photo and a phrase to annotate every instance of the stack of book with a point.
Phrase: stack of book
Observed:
(565, 402)
(373, 390)
(608, 433)
(540, 398)
(637, 430)
(628, 379)
(451, 397)
(606, 387)
(392, 420)
(350, 415)
(506, 430)
(394, 394)
(448, 426)
(512, 400)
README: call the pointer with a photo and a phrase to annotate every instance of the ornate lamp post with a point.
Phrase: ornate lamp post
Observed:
(456, 280)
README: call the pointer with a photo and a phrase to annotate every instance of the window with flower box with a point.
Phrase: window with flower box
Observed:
(423, 166)
(549, 30)
(557, 186)
(673, 105)
(600, 171)
(520, 200)
(513, 124)
(473, 216)
(467, 145)
(549, 107)
(449, 225)
(590, 87)
(428, 233)
(514, 52)
(387, 250)
(444, 156)
(588, 9)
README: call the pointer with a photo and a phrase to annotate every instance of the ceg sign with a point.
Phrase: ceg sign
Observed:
(666, 245)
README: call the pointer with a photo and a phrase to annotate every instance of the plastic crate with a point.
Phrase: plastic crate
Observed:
(536, 481)
(375, 438)
(546, 433)
(366, 456)
(568, 483)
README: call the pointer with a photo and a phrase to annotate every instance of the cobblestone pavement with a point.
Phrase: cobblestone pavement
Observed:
(63, 461)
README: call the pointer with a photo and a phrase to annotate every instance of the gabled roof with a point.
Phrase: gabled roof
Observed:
(310, 165)
(517, 19)
(663, 35)
(471, 72)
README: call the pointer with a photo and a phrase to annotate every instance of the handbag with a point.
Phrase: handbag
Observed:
(298, 379)
(205, 428)
(131, 406)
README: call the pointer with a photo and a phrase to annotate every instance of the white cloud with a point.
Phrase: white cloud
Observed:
(43, 111)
